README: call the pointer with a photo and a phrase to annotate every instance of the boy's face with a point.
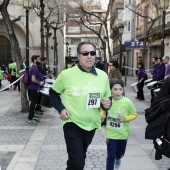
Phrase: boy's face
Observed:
(117, 91)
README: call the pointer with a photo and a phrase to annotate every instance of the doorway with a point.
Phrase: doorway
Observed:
(5, 51)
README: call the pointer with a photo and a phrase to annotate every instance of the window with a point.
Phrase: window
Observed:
(128, 26)
(91, 2)
(120, 11)
(75, 41)
(93, 27)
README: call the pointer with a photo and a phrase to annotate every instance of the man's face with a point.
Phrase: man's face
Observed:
(158, 61)
(87, 61)
(153, 61)
(164, 60)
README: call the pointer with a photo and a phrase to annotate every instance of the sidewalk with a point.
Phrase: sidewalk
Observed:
(42, 147)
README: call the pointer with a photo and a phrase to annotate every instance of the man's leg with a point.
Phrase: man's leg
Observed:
(33, 95)
(77, 143)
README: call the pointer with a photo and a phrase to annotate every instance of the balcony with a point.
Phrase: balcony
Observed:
(141, 32)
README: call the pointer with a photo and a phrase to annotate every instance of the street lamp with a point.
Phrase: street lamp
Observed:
(27, 6)
(164, 5)
(47, 35)
(120, 28)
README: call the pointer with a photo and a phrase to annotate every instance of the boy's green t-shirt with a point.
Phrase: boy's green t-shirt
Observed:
(114, 128)
(74, 85)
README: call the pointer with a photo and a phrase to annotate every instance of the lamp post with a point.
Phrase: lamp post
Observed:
(55, 48)
(120, 28)
(27, 6)
(164, 5)
(47, 35)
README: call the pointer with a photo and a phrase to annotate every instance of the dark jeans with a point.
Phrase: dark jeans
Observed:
(115, 150)
(77, 142)
(38, 106)
(33, 96)
(140, 90)
(18, 85)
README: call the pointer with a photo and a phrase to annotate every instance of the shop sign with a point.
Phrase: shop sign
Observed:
(135, 44)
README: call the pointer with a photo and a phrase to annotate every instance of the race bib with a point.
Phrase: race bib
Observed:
(114, 123)
(93, 100)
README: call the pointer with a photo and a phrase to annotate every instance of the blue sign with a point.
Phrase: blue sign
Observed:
(135, 44)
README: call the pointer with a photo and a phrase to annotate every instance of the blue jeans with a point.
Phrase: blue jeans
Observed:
(115, 150)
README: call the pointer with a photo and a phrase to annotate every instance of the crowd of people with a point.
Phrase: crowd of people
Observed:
(87, 99)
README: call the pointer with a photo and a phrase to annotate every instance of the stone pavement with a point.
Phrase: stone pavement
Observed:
(24, 146)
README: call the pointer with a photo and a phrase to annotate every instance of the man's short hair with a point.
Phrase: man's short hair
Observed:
(82, 43)
(167, 57)
(114, 63)
(34, 57)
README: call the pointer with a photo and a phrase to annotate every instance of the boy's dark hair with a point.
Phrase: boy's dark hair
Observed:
(114, 81)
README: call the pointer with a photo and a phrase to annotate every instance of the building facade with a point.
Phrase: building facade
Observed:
(16, 10)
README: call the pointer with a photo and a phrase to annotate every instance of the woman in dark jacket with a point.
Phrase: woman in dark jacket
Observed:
(142, 76)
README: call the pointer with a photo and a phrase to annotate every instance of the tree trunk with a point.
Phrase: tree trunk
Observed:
(16, 50)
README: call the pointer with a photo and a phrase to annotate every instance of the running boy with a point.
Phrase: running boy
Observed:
(117, 124)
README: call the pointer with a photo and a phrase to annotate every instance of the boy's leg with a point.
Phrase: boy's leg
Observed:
(111, 153)
(121, 148)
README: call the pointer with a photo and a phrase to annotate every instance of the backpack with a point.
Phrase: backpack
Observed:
(26, 78)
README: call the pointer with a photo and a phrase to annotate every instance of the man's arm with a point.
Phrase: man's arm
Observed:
(106, 103)
(55, 100)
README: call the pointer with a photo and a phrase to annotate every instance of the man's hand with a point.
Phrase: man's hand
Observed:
(106, 102)
(64, 115)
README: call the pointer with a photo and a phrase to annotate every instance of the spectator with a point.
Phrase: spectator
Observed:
(114, 71)
(166, 61)
(33, 88)
(142, 76)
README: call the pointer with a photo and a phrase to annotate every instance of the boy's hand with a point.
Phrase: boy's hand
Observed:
(122, 118)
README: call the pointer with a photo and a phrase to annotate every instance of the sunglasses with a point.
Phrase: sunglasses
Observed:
(86, 53)
(109, 65)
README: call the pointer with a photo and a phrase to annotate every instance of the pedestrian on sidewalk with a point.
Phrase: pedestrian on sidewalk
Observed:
(84, 89)
(142, 76)
(119, 115)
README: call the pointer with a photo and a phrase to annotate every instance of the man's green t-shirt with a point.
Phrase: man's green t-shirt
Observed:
(75, 85)
(114, 128)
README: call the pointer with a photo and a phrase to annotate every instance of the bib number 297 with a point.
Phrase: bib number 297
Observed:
(93, 100)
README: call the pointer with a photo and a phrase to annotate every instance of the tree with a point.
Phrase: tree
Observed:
(16, 50)
(54, 18)
(94, 15)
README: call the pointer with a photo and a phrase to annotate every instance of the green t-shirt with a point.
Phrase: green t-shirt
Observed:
(114, 128)
(12, 68)
(74, 85)
(1, 74)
